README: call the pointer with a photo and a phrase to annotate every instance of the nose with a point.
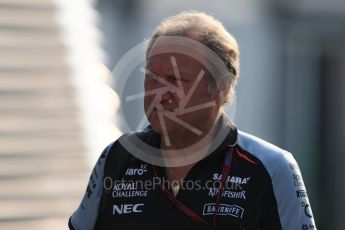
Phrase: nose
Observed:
(167, 97)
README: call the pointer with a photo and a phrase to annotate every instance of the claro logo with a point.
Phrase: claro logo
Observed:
(127, 208)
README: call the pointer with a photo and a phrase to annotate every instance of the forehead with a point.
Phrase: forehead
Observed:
(158, 57)
(182, 61)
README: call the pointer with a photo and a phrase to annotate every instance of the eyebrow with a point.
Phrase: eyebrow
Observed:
(161, 80)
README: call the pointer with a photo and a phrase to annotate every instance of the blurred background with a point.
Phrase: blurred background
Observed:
(58, 110)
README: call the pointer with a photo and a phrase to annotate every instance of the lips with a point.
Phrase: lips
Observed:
(164, 109)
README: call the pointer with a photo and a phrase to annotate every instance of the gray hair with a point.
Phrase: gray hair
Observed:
(211, 33)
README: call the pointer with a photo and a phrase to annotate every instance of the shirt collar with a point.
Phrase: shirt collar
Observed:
(226, 127)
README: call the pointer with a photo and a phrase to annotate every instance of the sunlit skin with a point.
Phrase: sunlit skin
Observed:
(160, 66)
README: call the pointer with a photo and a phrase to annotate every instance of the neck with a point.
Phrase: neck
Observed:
(182, 139)
(199, 145)
(182, 144)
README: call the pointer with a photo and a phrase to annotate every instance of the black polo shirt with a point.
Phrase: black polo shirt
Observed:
(259, 191)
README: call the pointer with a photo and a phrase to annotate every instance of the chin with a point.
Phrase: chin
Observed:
(157, 127)
(155, 124)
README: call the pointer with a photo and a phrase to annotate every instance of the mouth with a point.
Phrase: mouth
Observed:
(165, 110)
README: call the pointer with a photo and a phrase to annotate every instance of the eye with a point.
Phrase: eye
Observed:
(151, 77)
(182, 79)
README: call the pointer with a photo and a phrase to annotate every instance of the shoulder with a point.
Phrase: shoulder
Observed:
(130, 138)
(272, 157)
(138, 141)
(129, 146)
(288, 188)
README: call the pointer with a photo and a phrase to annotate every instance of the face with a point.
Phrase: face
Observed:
(177, 99)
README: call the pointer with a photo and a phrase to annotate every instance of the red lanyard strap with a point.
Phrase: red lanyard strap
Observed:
(225, 173)
(186, 210)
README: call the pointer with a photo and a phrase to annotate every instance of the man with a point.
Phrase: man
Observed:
(236, 181)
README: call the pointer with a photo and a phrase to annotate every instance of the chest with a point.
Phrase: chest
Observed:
(140, 198)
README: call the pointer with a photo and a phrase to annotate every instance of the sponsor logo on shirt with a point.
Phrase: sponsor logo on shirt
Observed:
(232, 179)
(136, 171)
(301, 193)
(308, 226)
(293, 166)
(227, 193)
(125, 186)
(297, 180)
(223, 210)
(307, 209)
(128, 189)
(127, 208)
(129, 193)
(92, 184)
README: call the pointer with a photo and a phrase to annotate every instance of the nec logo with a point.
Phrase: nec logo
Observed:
(127, 208)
